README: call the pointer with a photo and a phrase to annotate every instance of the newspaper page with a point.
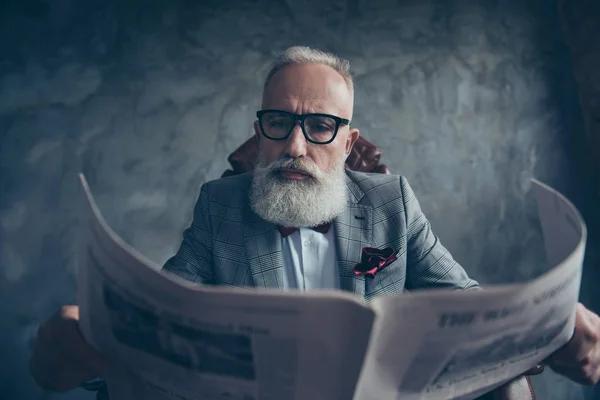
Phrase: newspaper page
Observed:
(170, 339)
(460, 345)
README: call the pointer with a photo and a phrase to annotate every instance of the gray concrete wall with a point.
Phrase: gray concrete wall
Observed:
(467, 99)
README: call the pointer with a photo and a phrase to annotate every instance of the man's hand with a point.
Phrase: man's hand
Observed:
(579, 359)
(61, 358)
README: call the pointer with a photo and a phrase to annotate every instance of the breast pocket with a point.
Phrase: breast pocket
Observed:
(389, 280)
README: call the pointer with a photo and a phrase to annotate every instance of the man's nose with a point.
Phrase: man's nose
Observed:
(296, 143)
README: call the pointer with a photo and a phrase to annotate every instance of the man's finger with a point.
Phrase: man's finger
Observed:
(69, 312)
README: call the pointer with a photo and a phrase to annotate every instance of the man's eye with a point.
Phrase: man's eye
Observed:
(320, 128)
(277, 123)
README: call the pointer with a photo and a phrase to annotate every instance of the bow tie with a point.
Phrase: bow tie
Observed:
(287, 231)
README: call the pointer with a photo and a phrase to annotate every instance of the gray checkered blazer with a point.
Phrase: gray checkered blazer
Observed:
(228, 244)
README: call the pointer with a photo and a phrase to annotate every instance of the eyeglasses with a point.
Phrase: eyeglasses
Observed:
(317, 128)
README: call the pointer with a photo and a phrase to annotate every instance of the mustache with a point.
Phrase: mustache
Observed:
(304, 166)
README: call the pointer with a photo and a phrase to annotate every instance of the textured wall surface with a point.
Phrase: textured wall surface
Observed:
(467, 99)
(581, 23)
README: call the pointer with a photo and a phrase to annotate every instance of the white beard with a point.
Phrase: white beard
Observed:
(291, 203)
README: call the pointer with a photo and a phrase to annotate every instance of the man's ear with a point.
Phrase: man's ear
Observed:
(353, 136)
(257, 130)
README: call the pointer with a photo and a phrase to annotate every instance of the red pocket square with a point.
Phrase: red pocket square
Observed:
(374, 260)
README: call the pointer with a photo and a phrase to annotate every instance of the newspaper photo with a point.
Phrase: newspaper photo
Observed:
(168, 338)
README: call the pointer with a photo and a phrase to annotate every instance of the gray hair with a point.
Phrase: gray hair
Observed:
(306, 55)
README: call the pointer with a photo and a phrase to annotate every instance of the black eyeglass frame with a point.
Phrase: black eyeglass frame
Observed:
(297, 117)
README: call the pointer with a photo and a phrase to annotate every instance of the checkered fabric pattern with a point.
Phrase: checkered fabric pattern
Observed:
(228, 244)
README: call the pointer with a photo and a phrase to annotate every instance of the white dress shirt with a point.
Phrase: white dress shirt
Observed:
(309, 260)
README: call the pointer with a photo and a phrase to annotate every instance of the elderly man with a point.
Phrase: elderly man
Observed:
(299, 222)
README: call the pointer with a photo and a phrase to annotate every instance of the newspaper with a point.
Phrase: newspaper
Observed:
(171, 339)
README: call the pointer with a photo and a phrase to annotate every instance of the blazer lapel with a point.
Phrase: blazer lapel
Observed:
(353, 230)
(263, 248)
